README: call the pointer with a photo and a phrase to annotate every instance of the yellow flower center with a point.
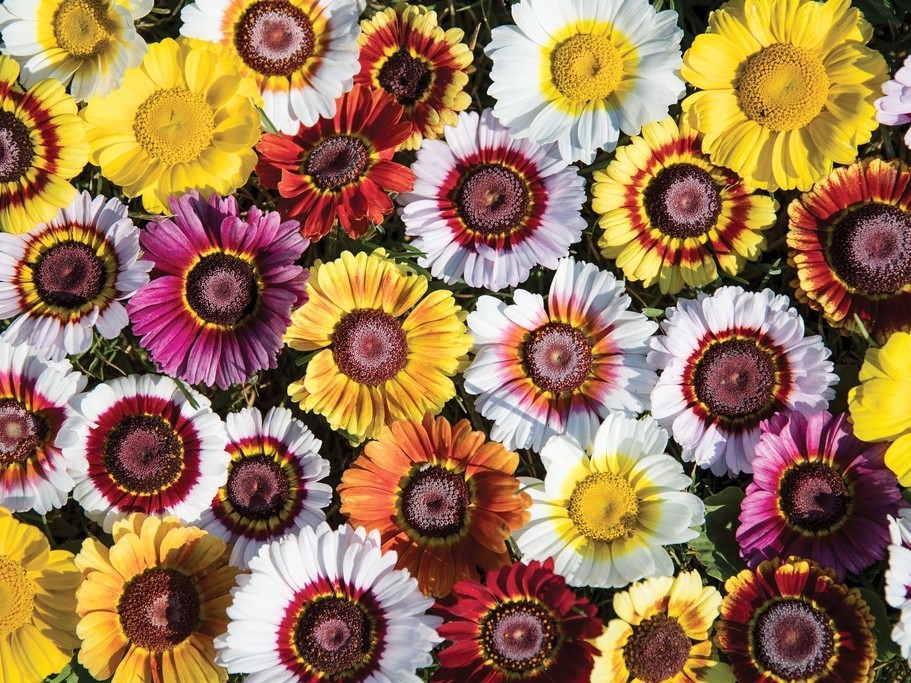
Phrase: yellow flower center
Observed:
(586, 67)
(604, 507)
(17, 596)
(174, 125)
(83, 27)
(784, 87)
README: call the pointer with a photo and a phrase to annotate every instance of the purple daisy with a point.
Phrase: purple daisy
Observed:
(894, 107)
(222, 290)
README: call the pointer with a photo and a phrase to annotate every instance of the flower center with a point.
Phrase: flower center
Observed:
(174, 126)
(657, 650)
(16, 149)
(333, 635)
(435, 500)
(558, 357)
(143, 454)
(586, 68)
(492, 199)
(793, 640)
(604, 507)
(258, 487)
(337, 161)
(69, 275)
(518, 636)
(159, 609)
(369, 346)
(682, 201)
(784, 87)
(735, 378)
(17, 596)
(871, 248)
(405, 77)
(274, 38)
(814, 497)
(21, 432)
(82, 27)
(222, 289)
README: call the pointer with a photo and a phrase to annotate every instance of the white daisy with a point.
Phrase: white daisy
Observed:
(898, 579)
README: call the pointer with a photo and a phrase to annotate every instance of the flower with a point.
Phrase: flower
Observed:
(325, 605)
(302, 54)
(894, 107)
(653, 638)
(579, 73)
(138, 444)
(538, 373)
(879, 405)
(898, 579)
(384, 350)
(86, 44)
(669, 214)
(786, 89)
(605, 516)
(730, 361)
(67, 277)
(522, 623)
(35, 162)
(790, 620)
(182, 119)
(817, 492)
(441, 495)
(488, 207)
(339, 168)
(222, 290)
(150, 605)
(850, 242)
(404, 51)
(273, 485)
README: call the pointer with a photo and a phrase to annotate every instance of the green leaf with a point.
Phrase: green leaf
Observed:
(885, 648)
(717, 549)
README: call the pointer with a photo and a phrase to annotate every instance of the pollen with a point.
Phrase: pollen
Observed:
(586, 67)
(604, 507)
(83, 27)
(174, 125)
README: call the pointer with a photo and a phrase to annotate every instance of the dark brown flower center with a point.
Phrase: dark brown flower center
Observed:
(222, 289)
(492, 199)
(871, 248)
(69, 275)
(159, 609)
(258, 487)
(405, 77)
(558, 357)
(434, 501)
(333, 635)
(735, 378)
(814, 497)
(682, 201)
(16, 150)
(337, 161)
(274, 38)
(21, 432)
(793, 640)
(369, 346)
(657, 649)
(518, 636)
(143, 453)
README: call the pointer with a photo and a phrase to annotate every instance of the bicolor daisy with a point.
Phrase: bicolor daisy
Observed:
(898, 579)
(894, 107)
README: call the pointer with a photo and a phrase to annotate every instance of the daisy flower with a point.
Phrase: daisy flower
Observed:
(150, 606)
(183, 119)
(37, 591)
(138, 444)
(404, 51)
(488, 207)
(273, 485)
(561, 370)
(302, 54)
(605, 516)
(786, 88)
(669, 214)
(898, 579)
(383, 350)
(42, 145)
(65, 278)
(222, 290)
(326, 605)
(578, 73)
(894, 107)
(730, 361)
(441, 495)
(341, 167)
(522, 623)
(817, 492)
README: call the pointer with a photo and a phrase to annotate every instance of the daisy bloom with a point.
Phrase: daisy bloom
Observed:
(404, 51)
(522, 623)
(850, 242)
(137, 444)
(273, 485)
(326, 605)
(879, 405)
(662, 634)
(669, 215)
(37, 592)
(894, 107)
(898, 579)
(385, 349)
(42, 146)
(150, 606)
(339, 168)
(579, 73)
(561, 370)
(605, 516)
(730, 361)
(65, 278)
(786, 88)
(817, 492)
(183, 119)
(488, 207)
(222, 290)
(441, 495)
(789, 620)
(302, 54)
(86, 44)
